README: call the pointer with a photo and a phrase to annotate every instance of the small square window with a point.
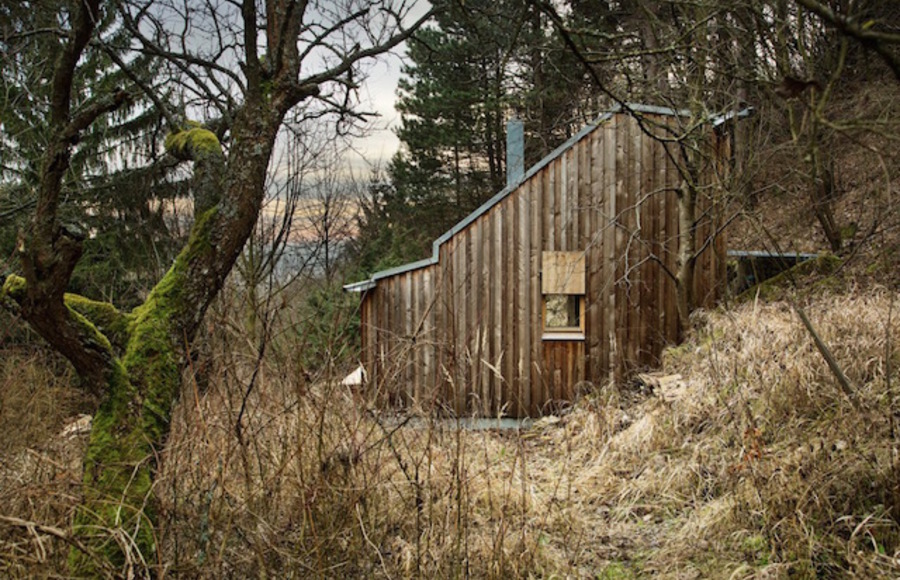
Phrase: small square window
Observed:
(562, 312)
(563, 290)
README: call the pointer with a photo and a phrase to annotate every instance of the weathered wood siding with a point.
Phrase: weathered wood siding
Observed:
(466, 333)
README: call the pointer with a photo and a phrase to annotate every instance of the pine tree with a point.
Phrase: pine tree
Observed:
(118, 187)
(479, 65)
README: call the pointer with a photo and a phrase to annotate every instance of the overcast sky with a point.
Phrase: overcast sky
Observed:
(379, 94)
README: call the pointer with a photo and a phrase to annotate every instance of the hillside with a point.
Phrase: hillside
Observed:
(859, 183)
(749, 463)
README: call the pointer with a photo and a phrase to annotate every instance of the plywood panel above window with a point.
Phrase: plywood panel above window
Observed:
(562, 273)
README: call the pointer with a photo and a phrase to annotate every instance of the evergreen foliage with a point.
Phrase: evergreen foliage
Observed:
(118, 187)
(478, 65)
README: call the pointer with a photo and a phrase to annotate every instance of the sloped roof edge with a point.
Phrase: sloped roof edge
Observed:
(365, 285)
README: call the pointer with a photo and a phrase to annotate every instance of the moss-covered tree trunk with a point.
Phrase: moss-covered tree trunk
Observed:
(133, 361)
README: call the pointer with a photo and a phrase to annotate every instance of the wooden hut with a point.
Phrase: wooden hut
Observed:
(560, 281)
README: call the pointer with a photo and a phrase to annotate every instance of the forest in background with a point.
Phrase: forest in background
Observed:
(815, 170)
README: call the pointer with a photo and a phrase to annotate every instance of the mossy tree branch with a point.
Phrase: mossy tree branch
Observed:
(135, 359)
(68, 330)
(202, 146)
(107, 319)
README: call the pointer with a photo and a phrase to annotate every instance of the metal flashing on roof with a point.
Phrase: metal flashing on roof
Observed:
(361, 286)
(767, 254)
(649, 109)
(719, 120)
(364, 285)
(401, 269)
(629, 108)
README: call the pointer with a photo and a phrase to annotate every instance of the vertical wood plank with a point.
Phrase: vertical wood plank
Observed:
(390, 324)
(654, 278)
(525, 322)
(471, 350)
(583, 213)
(596, 329)
(674, 180)
(415, 330)
(457, 315)
(476, 327)
(621, 309)
(405, 313)
(573, 201)
(549, 207)
(511, 305)
(647, 316)
(485, 311)
(565, 201)
(497, 306)
(633, 192)
(446, 325)
(427, 338)
(536, 202)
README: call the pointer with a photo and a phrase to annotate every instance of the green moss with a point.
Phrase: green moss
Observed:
(12, 292)
(193, 142)
(615, 571)
(756, 549)
(104, 316)
(92, 336)
(848, 232)
(14, 286)
(151, 358)
(117, 482)
(132, 423)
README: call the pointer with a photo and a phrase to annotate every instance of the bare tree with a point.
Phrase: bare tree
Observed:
(245, 68)
(331, 215)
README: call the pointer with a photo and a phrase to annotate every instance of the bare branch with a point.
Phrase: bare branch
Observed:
(356, 56)
(849, 26)
(89, 114)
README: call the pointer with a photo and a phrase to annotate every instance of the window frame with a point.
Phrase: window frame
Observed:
(563, 332)
(555, 282)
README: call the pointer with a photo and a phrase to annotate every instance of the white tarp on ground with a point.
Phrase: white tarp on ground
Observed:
(356, 378)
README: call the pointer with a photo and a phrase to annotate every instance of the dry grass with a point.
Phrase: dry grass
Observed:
(39, 471)
(758, 467)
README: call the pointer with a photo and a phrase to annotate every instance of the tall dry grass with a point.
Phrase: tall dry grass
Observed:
(39, 471)
(755, 464)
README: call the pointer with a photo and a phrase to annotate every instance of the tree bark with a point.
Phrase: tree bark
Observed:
(134, 360)
(140, 383)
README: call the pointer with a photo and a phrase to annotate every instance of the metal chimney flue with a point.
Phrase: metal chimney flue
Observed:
(515, 151)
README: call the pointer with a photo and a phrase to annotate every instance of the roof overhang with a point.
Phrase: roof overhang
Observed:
(361, 286)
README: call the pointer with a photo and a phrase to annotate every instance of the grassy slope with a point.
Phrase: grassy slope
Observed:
(753, 465)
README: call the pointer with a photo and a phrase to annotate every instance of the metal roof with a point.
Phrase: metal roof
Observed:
(630, 108)
(768, 254)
